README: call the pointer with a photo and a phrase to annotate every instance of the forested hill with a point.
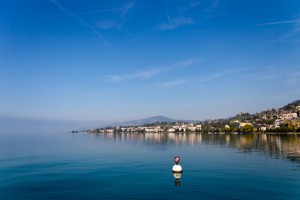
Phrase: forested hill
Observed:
(292, 106)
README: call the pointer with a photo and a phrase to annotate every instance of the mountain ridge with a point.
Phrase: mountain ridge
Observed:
(148, 120)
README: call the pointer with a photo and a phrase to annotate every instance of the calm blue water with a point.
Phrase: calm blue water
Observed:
(138, 166)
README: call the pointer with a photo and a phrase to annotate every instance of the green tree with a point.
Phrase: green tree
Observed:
(248, 128)
(227, 129)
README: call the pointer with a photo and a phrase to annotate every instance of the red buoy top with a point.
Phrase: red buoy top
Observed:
(176, 159)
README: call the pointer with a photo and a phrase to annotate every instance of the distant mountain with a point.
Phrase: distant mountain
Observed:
(140, 122)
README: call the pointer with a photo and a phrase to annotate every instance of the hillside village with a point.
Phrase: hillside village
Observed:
(285, 119)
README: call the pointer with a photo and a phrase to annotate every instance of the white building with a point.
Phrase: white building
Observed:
(278, 122)
(171, 130)
(289, 116)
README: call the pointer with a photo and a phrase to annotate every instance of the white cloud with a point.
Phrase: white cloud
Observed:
(194, 4)
(213, 7)
(83, 22)
(114, 78)
(173, 83)
(290, 34)
(223, 74)
(152, 72)
(215, 76)
(108, 24)
(127, 7)
(176, 23)
(280, 22)
(146, 74)
(187, 63)
(294, 31)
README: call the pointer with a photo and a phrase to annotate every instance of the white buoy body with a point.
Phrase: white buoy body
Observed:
(177, 169)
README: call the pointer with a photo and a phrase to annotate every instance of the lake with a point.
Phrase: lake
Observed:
(139, 166)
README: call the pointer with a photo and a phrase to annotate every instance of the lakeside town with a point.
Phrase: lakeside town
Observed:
(281, 120)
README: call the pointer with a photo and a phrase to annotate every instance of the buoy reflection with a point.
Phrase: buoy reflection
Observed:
(177, 177)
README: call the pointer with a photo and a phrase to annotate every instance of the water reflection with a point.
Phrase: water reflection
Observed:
(275, 145)
(177, 177)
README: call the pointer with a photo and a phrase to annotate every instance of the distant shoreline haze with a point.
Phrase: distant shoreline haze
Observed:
(17, 125)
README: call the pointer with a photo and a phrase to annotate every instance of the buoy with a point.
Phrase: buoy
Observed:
(176, 168)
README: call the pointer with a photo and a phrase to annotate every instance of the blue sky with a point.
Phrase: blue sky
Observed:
(121, 60)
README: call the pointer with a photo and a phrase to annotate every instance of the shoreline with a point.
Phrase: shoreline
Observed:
(194, 132)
